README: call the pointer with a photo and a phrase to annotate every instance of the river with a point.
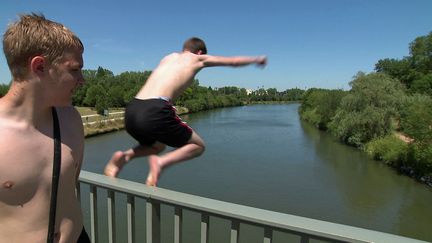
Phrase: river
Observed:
(264, 156)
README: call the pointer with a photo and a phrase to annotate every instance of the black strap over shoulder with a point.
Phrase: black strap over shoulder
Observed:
(55, 176)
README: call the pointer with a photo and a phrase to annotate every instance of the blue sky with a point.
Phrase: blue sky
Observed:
(309, 43)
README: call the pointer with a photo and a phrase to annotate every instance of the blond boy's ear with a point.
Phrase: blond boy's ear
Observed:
(37, 65)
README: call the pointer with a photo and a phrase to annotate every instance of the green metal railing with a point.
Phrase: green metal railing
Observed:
(307, 230)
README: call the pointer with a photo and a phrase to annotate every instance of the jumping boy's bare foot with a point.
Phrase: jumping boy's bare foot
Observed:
(154, 170)
(115, 164)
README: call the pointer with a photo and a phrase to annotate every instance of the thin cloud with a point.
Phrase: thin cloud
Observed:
(110, 46)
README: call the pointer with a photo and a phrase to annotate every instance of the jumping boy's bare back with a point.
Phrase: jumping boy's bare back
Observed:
(166, 83)
(177, 70)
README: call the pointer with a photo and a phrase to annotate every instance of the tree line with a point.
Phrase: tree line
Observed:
(387, 113)
(104, 90)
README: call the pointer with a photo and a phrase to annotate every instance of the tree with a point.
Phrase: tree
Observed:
(414, 70)
(369, 110)
(116, 96)
(416, 117)
(89, 75)
(93, 94)
(103, 73)
(3, 89)
(423, 85)
(130, 94)
(320, 105)
(102, 104)
(295, 94)
(398, 69)
(421, 53)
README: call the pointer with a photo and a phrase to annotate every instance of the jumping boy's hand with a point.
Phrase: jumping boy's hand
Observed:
(261, 61)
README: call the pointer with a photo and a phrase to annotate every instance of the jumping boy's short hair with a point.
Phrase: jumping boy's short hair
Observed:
(34, 35)
(194, 45)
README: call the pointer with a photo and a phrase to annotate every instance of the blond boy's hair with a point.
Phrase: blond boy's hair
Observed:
(34, 35)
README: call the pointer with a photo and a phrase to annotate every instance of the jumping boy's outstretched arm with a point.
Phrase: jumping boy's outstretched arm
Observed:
(236, 61)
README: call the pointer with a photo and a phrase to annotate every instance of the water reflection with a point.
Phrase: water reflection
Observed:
(374, 195)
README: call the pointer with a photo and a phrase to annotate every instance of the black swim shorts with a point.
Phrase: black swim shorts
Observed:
(154, 120)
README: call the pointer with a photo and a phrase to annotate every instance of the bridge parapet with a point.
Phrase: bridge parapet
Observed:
(303, 229)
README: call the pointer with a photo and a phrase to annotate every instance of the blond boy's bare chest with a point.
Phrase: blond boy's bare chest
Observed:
(26, 161)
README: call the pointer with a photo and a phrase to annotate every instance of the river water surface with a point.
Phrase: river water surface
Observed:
(263, 156)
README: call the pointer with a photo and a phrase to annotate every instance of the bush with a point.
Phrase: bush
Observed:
(420, 156)
(389, 149)
(320, 105)
(311, 116)
(416, 117)
(368, 111)
(194, 105)
(102, 104)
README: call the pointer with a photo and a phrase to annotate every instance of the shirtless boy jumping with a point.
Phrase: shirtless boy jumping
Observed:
(151, 119)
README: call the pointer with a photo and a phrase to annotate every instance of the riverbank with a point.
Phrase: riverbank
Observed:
(405, 168)
(102, 125)
(107, 124)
